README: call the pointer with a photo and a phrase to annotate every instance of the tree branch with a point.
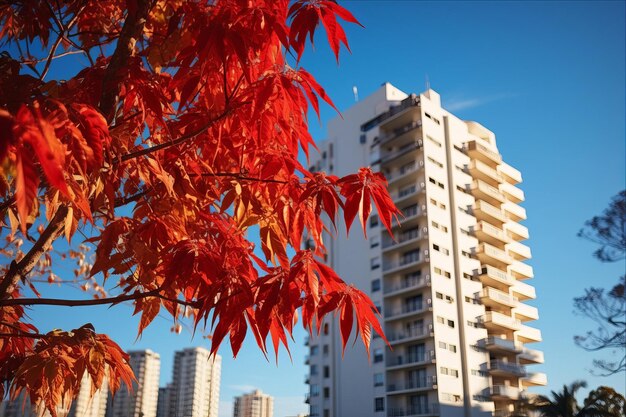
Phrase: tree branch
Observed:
(95, 301)
(19, 270)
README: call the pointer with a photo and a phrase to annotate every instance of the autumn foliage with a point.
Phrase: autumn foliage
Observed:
(169, 146)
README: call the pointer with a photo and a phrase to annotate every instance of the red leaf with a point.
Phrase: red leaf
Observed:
(26, 184)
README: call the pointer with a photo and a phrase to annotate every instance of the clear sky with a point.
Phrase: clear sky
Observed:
(548, 78)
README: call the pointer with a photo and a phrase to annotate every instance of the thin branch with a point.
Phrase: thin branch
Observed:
(29, 335)
(95, 301)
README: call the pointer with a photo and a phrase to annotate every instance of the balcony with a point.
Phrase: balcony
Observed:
(412, 235)
(530, 356)
(404, 171)
(405, 285)
(402, 361)
(504, 392)
(518, 251)
(410, 334)
(494, 277)
(524, 291)
(404, 262)
(506, 368)
(425, 410)
(510, 174)
(486, 232)
(485, 211)
(520, 271)
(399, 132)
(406, 149)
(307, 340)
(408, 103)
(514, 212)
(491, 255)
(427, 382)
(511, 192)
(535, 379)
(494, 343)
(495, 298)
(528, 334)
(407, 191)
(498, 321)
(524, 312)
(483, 191)
(484, 172)
(408, 309)
(307, 360)
(516, 231)
(476, 150)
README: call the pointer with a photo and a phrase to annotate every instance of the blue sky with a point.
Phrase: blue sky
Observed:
(547, 78)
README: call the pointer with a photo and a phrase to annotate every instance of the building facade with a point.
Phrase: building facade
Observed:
(255, 404)
(87, 406)
(195, 388)
(451, 287)
(142, 401)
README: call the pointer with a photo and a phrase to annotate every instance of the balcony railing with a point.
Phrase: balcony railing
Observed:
(518, 251)
(524, 291)
(511, 368)
(514, 212)
(487, 192)
(411, 359)
(401, 238)
(411, 101)
(488, 253)
(426, 382)
(485, 172)
(493, 342)
(405, 260)
(408, 309)
(521, 270)
(510, 174)
(505, 391)
(494, 276)
(512, 192)
(490, 295)
(413, 282)
(411, 332)
(403, 150)
(529, 334)
(425, 410)
(404, 170)
(526, 312)
(488, 232)
(493, 318)
(478, 151)
(400, 131)
(516, 231)
(483, 210)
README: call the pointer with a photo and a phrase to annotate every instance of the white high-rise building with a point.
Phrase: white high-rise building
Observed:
(451, 286)
(195, 388)
(87, 406)
(142, 402)
(255, 404)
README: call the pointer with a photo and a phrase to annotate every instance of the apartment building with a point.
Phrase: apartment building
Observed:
(142, 401)
(83, 406)
(195, 388)
(452, 285)
(255, 404)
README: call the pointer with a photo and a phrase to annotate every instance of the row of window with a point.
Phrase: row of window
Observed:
(437, 183)
(449, 371)
(443, 320)
(449, 346)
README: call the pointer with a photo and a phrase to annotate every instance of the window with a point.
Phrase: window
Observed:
(313, 369)
(461, 189)
(472, 300)
(431, 180)
(373, 220)
(325, 328)
(326, 392)
(439, 295)
(379, 404)
(375, 262)
(326, 412)
(478, 372)
(440, 249)
(325, 350)
(374, 241)
(315, 390)
(451, 323)
(362, 139)
(378, 355)
(454, 373)
(376, 285)
(410, 256)
(452, 348)
(466, 254)
(443, 345)
(441, 320)
(439, 164)
(409, 189)
(435, 142)
(315, 350)
(378, 380)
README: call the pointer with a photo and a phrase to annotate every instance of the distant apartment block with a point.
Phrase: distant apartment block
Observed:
(142, 401)
(452, 286)
(195, 387)
(255, 404)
